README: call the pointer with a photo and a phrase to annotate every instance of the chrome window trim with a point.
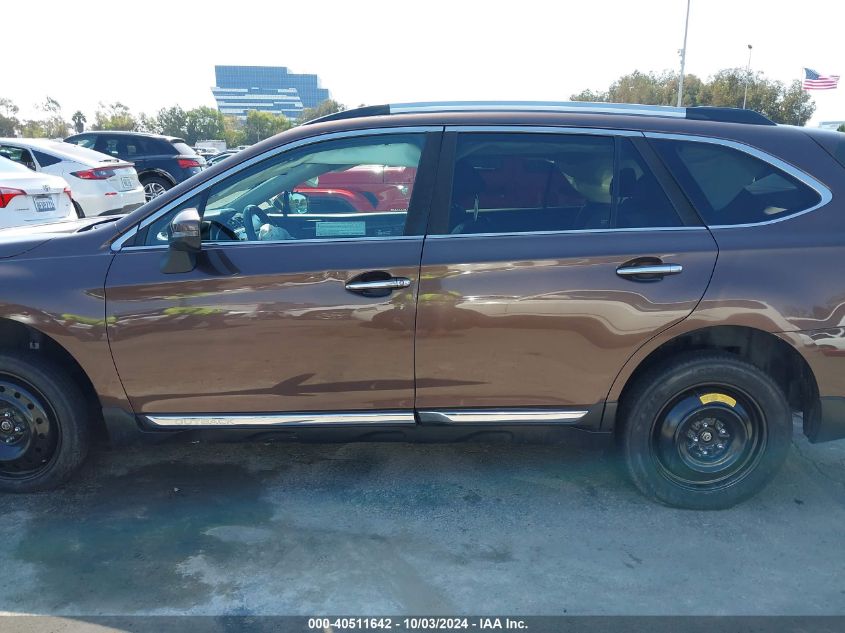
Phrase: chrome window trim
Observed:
(117, 244)
(187, 420)
(825, 195)
(322, 240)
(568, 232)
(545, 129)
(537, 106)
(501, 416)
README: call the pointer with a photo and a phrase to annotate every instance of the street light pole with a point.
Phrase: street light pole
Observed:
(747, 77)
(683, 60)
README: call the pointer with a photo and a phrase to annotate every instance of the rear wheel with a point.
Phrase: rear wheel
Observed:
(154, 186)
(705, 431)
(43, 430)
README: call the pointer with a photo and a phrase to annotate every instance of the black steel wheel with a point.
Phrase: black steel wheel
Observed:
(29, 432)
(705, 431)
(707, 435)
(43, 431)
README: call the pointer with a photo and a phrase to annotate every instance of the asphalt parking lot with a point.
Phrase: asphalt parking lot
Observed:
(414, 529)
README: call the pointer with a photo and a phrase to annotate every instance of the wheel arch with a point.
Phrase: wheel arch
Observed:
(160, 173)
(19, 336)
(766, 351)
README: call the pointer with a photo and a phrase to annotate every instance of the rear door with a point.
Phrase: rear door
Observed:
(552, 255)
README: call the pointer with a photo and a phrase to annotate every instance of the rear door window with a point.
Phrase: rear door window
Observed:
(521, 183)
(728, 186)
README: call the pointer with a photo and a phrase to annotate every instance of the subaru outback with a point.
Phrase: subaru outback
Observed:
(668, 278)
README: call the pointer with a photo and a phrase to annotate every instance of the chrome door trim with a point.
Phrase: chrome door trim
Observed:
(339, 418)
(117, 244)
(543, 129)
(825, 195)
(501, 416)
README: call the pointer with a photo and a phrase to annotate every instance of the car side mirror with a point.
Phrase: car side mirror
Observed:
(184, 243)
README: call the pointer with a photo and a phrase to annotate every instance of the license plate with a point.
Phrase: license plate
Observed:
(44, 203)
(126, 183)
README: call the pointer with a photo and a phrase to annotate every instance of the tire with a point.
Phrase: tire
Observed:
(43, 424)
(79, 212)
(704, 431)
(154, 186)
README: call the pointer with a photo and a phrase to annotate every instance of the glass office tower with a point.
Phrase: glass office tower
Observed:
(265, 88)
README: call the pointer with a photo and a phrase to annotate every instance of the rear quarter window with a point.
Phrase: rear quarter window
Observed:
(45, 160)
(183, 148)
(728, 186)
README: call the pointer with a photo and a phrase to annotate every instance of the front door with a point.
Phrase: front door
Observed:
(295, 304)
(552, 257)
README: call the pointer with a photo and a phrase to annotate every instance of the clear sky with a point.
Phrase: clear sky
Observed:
(153, 53)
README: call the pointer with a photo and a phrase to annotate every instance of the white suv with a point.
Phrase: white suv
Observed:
(101, 184)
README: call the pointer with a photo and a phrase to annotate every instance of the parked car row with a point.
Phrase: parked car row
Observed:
(103, 173)
(101, 184)
(27, 197)
(162, 162)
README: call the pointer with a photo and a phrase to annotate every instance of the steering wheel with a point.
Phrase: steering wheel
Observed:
(254, 211)
(217, 228)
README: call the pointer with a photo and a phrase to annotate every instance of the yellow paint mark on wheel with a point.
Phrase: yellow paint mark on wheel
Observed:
(707, 398)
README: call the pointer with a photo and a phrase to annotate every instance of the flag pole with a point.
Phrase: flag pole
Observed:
(683, 60)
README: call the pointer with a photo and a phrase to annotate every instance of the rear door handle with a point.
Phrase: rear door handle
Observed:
(393, 283)
(649, 270)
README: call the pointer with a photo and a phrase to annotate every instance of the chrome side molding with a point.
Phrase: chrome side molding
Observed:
(281, 419)
(502, 416)
(366, 418)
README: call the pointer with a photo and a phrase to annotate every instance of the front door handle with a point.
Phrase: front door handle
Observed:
(649, 272)
(392, 283)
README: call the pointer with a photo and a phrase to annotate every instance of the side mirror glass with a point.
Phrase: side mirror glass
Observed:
(184, 242)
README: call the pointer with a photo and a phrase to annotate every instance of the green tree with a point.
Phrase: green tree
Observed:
(115, 116)
(34, 128)
(54, 125)
(78, 119)
(203, 124)
(8, 119)
(646, 88)
(172, 121)
(841, 128)
(233, 132)
(260, 125)
(781, 103)
(329, 106)
(147, 123)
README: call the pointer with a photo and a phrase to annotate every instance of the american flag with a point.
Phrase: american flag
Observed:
(815, 81)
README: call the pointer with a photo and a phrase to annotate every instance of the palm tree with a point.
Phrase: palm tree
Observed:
(79, 121)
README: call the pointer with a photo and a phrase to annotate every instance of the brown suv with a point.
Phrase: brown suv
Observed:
(671, 278)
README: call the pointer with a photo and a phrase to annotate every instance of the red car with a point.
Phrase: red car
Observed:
(361, 188)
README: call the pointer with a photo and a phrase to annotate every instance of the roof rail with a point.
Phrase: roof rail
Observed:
(699, 113)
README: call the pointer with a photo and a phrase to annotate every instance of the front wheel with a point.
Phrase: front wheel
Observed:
(43, 430)
(154, 186)
(705, 431)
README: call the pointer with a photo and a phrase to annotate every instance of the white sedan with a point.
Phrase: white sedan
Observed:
(101, 184)
(28, 198)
